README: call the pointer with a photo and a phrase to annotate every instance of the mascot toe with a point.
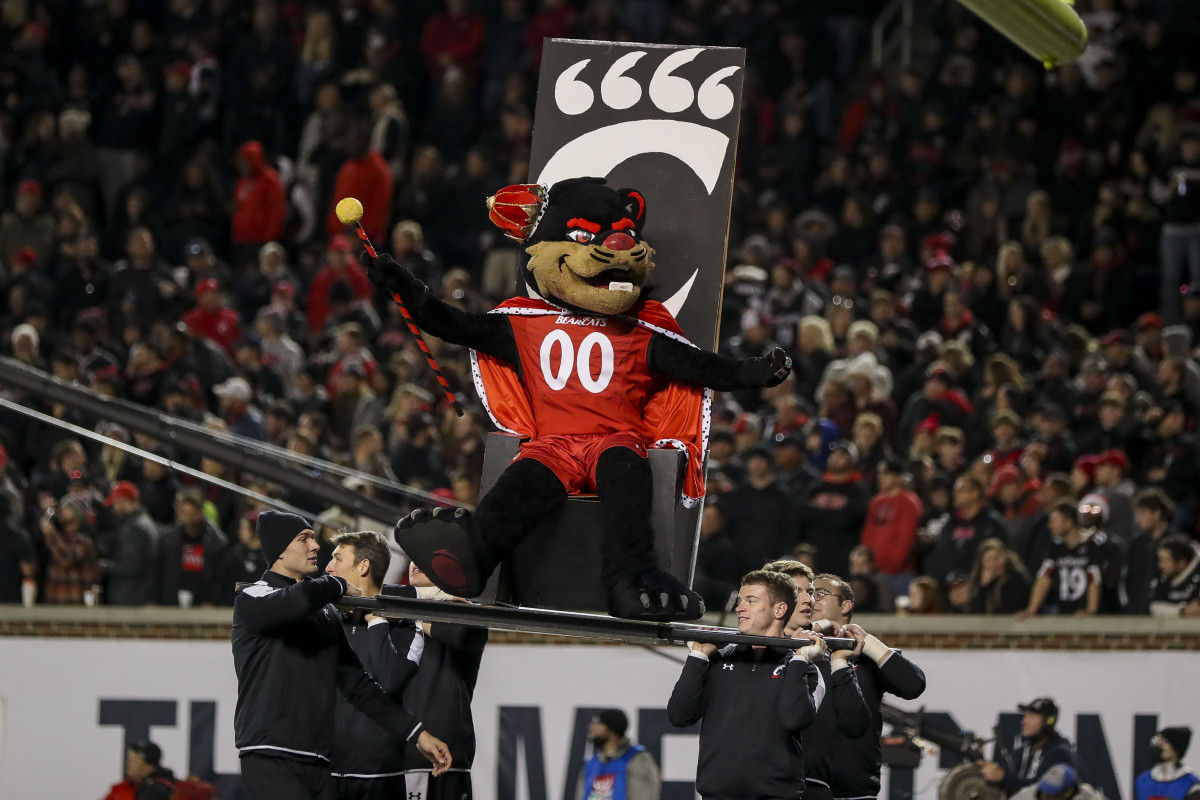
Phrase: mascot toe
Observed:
(590, 373)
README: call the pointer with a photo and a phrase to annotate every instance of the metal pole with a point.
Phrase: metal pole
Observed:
(198, 440)
(166, 462)
(568, 623)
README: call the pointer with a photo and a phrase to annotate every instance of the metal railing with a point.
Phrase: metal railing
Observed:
(892, 35)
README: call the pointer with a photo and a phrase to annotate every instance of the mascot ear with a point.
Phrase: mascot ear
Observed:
(635, 205)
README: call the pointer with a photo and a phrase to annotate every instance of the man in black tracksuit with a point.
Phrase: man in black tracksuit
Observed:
(843, 709)
(368, 760)
(441, 695)
(753, 702)
(291, 659)
(880, 670)
(842, 716)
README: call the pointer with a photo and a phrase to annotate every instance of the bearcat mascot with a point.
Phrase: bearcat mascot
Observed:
(590, 374)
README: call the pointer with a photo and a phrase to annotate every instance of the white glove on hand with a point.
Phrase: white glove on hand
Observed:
(433, 593)
(813, 650)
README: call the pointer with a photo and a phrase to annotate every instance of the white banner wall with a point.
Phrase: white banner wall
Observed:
(66, 707)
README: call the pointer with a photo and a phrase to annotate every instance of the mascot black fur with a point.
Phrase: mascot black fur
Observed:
(590, 377)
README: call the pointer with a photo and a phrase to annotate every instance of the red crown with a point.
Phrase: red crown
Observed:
(516, 209)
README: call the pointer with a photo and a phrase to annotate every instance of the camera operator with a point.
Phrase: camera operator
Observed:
(1039, 748)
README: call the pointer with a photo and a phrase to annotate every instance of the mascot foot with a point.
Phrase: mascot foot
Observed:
(445, 544)
(656, 596)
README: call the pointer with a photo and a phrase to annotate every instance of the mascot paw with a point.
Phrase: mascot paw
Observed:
(447, 547)
(386, 275)
(778, 366)
(655, 596)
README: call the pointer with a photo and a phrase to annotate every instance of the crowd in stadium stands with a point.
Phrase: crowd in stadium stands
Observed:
(987, 274)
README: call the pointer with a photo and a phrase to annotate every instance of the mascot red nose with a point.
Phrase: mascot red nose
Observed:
(590, 373)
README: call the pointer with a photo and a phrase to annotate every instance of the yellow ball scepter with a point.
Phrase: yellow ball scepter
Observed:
(350, 212)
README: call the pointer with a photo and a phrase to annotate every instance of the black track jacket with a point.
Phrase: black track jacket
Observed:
(843, 712)
(442, 691)
(856, 761)
(292, 659)
(753, 710)
(390, 652)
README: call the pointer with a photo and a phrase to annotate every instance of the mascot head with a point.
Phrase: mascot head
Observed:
(584, 241)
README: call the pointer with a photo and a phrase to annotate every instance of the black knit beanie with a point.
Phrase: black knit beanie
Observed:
(615, 720)
(1179, 738)
(276, 530)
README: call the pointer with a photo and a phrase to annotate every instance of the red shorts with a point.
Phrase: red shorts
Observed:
(573, 458)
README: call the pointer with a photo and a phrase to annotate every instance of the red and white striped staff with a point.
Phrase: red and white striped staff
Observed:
(349, 212)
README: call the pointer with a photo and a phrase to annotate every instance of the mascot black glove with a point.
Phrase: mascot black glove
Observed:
(388, 277)
(768, 370)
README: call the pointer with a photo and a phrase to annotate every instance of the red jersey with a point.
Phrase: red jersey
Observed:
(584, 375)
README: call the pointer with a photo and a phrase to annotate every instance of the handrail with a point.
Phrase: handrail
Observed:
(889, 36)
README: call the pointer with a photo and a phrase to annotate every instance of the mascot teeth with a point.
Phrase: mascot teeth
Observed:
(620, 286)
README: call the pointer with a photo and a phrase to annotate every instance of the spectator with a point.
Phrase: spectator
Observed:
(27, 226)
(873, 591)
(1152, 510)
(142, 288)
(73, 569)
(832, 512)
(260, 203)
(971, 523)
(758, 512)
(1176, 590)
(145, 776)
(18, 565)
(191, 556)
(240, 414)
(999, 583)
(925, 596)
(891, 524)
(1073, 566)
(210, 319)
(340, 267)
(1171, 461)
(1175, 189)
(365, 176)
(130, 550)
(157, 487)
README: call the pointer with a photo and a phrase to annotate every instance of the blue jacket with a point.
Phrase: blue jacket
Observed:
(1171, 783)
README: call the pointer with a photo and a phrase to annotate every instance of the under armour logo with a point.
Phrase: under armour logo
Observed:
(414, 796)
(727, 666)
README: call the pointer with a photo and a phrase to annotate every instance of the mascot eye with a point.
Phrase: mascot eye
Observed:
(580, 235)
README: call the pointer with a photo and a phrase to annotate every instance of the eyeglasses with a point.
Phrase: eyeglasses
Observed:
(819, 593)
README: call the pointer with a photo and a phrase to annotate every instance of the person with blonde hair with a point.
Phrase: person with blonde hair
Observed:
(815, 345)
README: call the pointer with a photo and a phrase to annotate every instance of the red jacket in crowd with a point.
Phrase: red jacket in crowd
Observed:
(452, 39)
(221, 326)
(260, 200)
(891, 530)
(351, 273)
(368, 179)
